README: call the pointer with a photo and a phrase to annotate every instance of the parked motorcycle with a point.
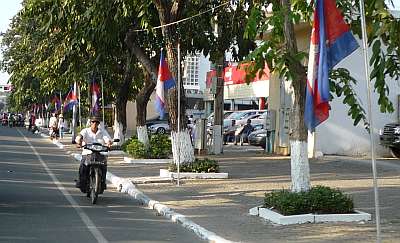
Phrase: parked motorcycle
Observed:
(96, 164)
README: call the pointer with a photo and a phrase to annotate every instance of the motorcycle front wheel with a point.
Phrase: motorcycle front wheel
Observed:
(95, 181)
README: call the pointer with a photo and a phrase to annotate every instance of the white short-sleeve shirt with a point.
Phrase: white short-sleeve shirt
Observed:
(101, 136)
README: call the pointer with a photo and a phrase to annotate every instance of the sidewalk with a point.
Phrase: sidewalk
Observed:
(221, 206)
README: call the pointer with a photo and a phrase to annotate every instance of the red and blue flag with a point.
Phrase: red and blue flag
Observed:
(331, 41)
(70, 100)
(95, 91)
(165, 81)
(56, 102)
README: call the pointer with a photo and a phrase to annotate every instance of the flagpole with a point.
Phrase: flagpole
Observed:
(102, 99)
(74, 117)
(371, 128)
(79, 106)
(179, 110)
(61, 113)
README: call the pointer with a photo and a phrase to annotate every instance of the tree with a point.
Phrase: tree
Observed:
(66, 41)
(287, 61)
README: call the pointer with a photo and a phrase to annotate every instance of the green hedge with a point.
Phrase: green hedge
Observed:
(125, 144)
(320, 200)
(198, 166)
(159, 147)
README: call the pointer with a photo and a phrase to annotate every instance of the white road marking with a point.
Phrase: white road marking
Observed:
(89, 224)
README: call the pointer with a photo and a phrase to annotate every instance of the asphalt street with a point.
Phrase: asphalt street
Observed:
(39, 203)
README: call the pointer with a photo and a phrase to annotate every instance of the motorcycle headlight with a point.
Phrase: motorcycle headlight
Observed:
(396, 130)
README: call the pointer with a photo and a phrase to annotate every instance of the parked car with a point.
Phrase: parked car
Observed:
(390, 137)
(159, 128)
(258, 138)
(157, 120)
(210, 118)
(255, 119)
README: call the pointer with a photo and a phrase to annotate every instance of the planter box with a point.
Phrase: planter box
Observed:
(116, 152)
(147, 161)
(308, 218)
(190, 175)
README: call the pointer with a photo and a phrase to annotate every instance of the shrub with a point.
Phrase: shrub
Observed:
(128, 141)
(198, 166)
(136, 149)
(160, 146)
(320, 199)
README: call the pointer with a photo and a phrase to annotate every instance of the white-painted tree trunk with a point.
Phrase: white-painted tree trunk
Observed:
(182, 147)
(300, 169)
(217, 139)
(118, 134)
(143, 136)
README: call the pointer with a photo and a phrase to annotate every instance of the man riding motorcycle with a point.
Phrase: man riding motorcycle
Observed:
(92, 134)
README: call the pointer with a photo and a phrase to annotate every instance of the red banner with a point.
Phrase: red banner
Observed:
(237, 75)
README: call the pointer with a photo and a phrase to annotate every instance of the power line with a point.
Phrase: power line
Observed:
(183, 20)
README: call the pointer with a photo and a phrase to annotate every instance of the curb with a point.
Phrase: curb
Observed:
(146, 161)
(278, 218)
(126, 186)
(193, 175)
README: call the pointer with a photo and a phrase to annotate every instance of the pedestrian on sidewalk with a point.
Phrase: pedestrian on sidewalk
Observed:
(53, 126)
(61, 125)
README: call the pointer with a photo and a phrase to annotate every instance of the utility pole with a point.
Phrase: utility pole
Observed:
(218, 100)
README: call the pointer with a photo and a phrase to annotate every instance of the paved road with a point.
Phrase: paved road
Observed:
(38, 202)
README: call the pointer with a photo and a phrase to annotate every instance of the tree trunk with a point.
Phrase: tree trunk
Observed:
(300, 171)
(142, 100)
(181, 143)
(122, 99)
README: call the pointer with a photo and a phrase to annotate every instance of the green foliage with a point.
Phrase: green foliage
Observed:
(275, 49)
(125, 144)
(319, 199)
(160, 146)
(198, 166)
(136, 149)
(341, 83)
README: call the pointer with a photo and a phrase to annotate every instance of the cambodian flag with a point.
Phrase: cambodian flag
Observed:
(95, 91)
(56, 102)
(70, 100)
(164, 82)
(331, 41)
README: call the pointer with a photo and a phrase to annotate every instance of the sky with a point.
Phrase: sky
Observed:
(8, 9)
(11, 7)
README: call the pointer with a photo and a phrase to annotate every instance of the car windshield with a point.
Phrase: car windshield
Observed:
(227, 114)
(235, 115)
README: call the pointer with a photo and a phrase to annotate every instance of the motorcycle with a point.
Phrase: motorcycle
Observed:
(96, 164)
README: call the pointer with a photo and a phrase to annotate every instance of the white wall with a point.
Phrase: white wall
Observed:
(337, 135)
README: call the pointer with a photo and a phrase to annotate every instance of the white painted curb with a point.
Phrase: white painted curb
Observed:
(190, 175)
(146, 161)
(78, 157)
(60, 145)
(126, 186)
(116, 152)
(308, 218)
(44, 135)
